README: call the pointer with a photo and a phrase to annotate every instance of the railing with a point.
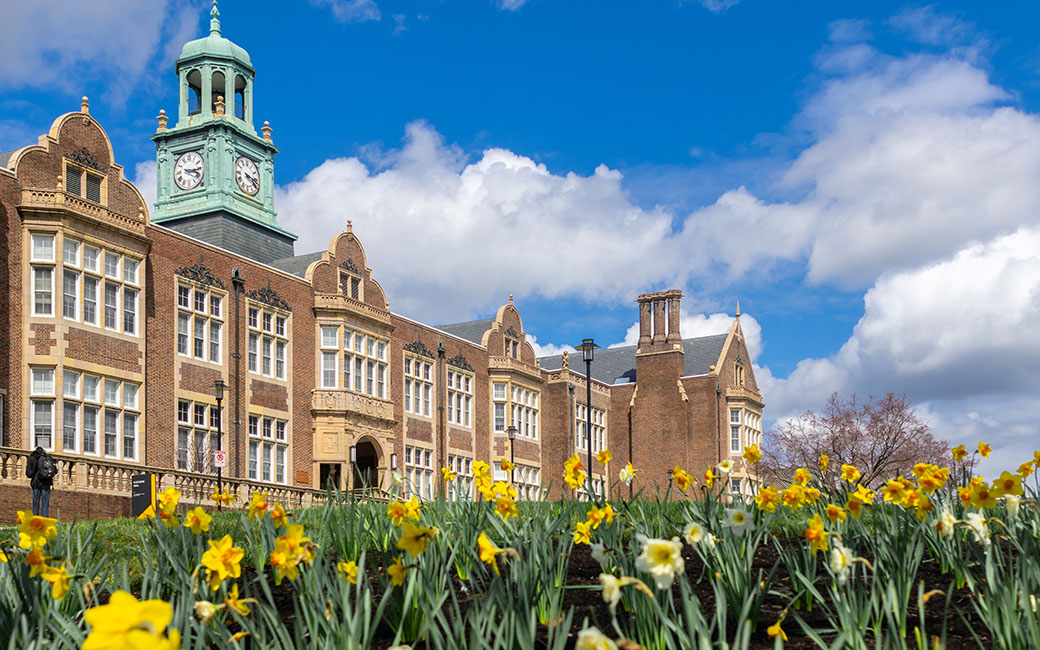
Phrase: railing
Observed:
(50, 199)
(338, 302)
(110, 477)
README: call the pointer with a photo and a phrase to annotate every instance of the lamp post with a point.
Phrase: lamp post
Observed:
(393, 470)
(588, 348)
(353, 465)
(670, 478)
(218, 391)
(512, 431)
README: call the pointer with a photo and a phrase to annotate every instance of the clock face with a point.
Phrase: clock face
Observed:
(247, 176)
(187, 172)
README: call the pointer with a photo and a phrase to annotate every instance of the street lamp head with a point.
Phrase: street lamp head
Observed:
(353, 454)
(393, 462)
(512, 431)
(218, 389)
(587, 347)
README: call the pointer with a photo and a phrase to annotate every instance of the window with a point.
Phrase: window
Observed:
(418, 472)
(521, 405)
(735, 486)
(200, 327)
(111, 304)
(734, 430)
(81, 284)
(330, 357)
(462, 488)
(527, 480)
(418, 385)
(42, 290)
(100, 405)
(42, 247)
(268, 345)
(82, 183)
(43, 423)
(112, 265)
(599, 428)
(197, 437)
(365, 369)
(69, 294)
(350, 285)
(460, 397)
(268, 449)
(738, 374)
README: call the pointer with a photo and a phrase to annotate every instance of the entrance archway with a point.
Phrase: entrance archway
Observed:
(366, 469)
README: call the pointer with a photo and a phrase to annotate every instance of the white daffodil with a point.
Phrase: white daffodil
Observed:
(661, 558)
(946, 523)
(726, 466)
(738, 520)
(627, 474)
(599, 554)
(977, 523)
(611, 590)
(1012, 502)
(694, 533)
(841, 561)
(592, 639)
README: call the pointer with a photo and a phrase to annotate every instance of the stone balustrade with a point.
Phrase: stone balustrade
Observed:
(112, 477)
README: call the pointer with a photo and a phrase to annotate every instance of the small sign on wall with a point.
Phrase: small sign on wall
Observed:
(219, 458)
(142, 495)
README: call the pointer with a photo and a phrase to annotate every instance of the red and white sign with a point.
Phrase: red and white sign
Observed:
(219, 458)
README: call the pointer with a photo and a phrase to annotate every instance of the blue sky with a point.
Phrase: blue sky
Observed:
(861, 176)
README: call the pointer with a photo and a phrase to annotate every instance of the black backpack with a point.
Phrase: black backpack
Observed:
(48, 468)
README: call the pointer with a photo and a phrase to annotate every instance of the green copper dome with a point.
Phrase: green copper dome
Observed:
(214, 45)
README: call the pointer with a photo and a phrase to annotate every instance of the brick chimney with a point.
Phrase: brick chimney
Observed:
(659, 321)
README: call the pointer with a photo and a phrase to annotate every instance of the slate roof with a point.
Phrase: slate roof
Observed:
(613, 364)
(297, 265)
(5, 157)
(472, 331)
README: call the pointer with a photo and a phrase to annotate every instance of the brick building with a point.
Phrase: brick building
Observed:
(120, 320)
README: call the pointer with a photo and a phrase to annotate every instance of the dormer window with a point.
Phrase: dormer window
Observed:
(738, 374)
(512, 348)
(350, 285)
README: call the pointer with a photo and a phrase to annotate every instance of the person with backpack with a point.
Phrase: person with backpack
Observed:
(41, 470)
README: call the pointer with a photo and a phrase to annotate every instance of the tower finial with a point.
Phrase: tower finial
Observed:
(214, 21)
(738, 307)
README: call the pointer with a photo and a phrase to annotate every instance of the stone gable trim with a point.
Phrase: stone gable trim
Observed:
(460, 362)
(348, 265)
(200, 273)
(268, 296)
(417, 347)
(83, 157)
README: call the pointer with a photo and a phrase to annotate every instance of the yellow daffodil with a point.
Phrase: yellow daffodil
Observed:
(349, 571)
(224, 498)
(1008, 483)
(3, 556)
(1025, 469)
(775, 630)
(258, 505)
(959, 453)
(34, 531)
(59, 579)
(802, 476)
(854, 506)
(681, 478)
(168, 516)
(767, 499)
(793, 496)
(661, 558)
(197, 520)
(290, 550)
(752, 454)
(169, 497)
(480, 468)
(238, 604)
(36, 561)
(447, 474)
(222, 561)
(506, 465)
(864, 494)
(503, 489)
(709, 478)
(964, 493)
(893, 491)
(413, 508)
(816, 535)
(415, 538)
(488, 551)
(505, 507)
(397, 572)
(823, 462)
(850, 473)
(835, 513)
(583, 532)
(982, 496)
(603, 456)
(812, 495)
(126, 622)
(397, 511)
(278, 516)
(984, 449)
(573, 474)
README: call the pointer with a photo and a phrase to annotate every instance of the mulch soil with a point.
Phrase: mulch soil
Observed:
(584, 571)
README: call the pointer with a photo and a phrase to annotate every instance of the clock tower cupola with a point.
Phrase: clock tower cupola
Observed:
(215, 174)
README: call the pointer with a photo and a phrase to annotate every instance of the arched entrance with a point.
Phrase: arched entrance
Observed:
(366, 467)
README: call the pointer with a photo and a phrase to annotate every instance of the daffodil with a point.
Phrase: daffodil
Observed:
(169, 497)
(592, 639)
(982, 496)
(413, 509)
(611, 591)
(793, 496)
(603, 456)
(34, 531)
(738, 521)
(258, 505)
(823, 462)
(238, 604)
(480, 468)
(127, 623)
(864, 494)
(205, 610)
(767, 499)
(1008, 483)
(984, 449)
(709, 477)
(290, 550)
(600, 515)
(945, 524)
(1012, 503)
(694, 533)
(681, 478)
(573, 474)
(222, 560)
(397, 511)
(841, 562)
(661, 558)
(726, 466)
(349, 571)
(849, 473)
(278, 516)
(397, 572)
(36, 561)
(447, 474)
(488, 551)
(752, 454)
(802, 476)
(959, 453)
(59, 579)
(197, 520)
(168, 516)
(977, 523)
(835, 513)
(627, 474)
(893, 491)
(415, 538)
(775, 630)
(816, 535)
(583, 532)
(854, 507)
(505, 507)
(599, 553)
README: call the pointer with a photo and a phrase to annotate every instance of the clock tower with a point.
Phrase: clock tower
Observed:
(215, 174)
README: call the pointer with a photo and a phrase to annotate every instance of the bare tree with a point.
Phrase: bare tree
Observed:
(882, 437)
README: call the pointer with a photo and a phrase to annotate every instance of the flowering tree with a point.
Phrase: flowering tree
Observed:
(882, 437)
